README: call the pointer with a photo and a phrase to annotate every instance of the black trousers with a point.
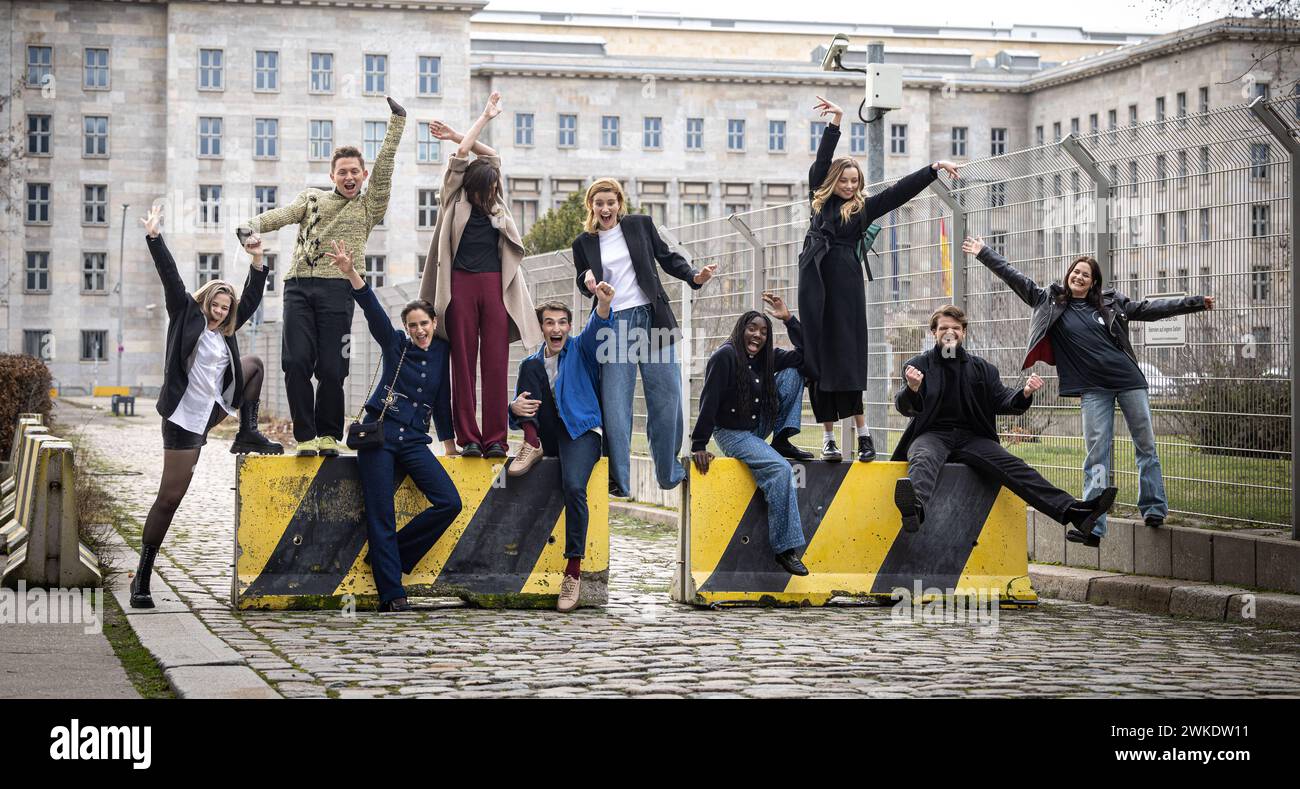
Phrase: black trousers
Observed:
(577, 456)
(317, 320)
(929, 451)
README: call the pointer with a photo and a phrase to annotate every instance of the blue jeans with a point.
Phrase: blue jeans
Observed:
(578, 457)
(772, 473)
(629, 350)
(1099, 435)
(382, 472)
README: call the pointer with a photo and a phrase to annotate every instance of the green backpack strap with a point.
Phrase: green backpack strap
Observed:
(865, 243)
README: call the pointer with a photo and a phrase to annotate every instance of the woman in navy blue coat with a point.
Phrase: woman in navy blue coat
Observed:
(422, 394)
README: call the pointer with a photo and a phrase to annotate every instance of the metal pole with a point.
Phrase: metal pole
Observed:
(877, 387)
(121, 289)
(1268, 116)
(1101, 206)
(685, 357)
(945, 195)
(760, 269)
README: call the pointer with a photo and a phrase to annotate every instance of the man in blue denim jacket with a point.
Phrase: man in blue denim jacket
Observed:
(557, 406)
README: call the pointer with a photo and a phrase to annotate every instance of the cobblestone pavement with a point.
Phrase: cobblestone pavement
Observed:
(643, 645)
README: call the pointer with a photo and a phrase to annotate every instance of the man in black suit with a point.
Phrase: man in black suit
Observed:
(953, 398)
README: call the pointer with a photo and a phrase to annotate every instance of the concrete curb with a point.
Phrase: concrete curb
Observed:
(645, 512)
(1167, 596)
(196, 663)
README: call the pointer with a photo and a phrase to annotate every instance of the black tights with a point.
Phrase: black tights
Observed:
(179, 464)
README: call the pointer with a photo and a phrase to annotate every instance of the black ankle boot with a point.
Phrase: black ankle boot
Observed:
(789, 451)
(249, 439)
(866, 450)
(140, 596)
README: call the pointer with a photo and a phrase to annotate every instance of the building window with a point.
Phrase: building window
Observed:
(735, 134)
(266, 136)
(815, 133)
(1162, 171)
(1162, 231)
(1205, 224)
(266, 70)
(1182, 168)
(609, 131)
(959, 140)
(426, 212)
(1184, 281)
(1133, 120)
(525, 214)
(653, 134)
(40, 65)
(1203, 99)
(376, 73)
(998, 142)
(693, 213)
(94, 204)
(210, 137)
(39, 343)
(1261, 91)
(375, 271)
(209, 205)
(39, 135)
(1259, 158)
(898, 138)
(694, 134)
(264, 198)
(1205, 164)
(212, 69)
(567, 136)
(38, 204)
(322, 72)
(1056, 131)
(95, 75)
(776, 136)
(430, 76)
(1038, 136)
(858, 138)
(374, 138)
(321, 135)
(658, 212)
(268, 263)
(1160, 108)
(428, 148)
(94, 271)
(94, 345)
(1259, 283)
(1094, 123)
(209, 268)
(1258, 221)
(997, 195)
(95, 128)
(1074, 126)
(1180, 108)
(1056, 185)
(1133, 176)
(1182, 230)
(1112, 123)
(37, 278)
(523, 128)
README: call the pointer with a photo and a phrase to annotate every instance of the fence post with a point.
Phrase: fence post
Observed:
(760, 269)
(1278, 128)
(1101, 207)
(685, 355)
(958, 235)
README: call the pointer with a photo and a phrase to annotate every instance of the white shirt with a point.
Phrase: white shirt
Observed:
(616, 262)
(211, 358)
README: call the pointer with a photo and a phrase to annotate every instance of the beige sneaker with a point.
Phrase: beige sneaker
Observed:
(527, 457)
(568, 594)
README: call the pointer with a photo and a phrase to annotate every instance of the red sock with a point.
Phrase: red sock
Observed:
(530, 435)
(573, 570)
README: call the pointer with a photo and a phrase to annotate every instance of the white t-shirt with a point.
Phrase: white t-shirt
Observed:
(616, 261)
(211, 358)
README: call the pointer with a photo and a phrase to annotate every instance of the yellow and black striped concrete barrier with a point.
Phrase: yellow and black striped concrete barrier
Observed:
(973, 540)
(300, 536)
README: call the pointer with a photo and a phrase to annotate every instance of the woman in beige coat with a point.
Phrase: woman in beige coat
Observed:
(473, 275)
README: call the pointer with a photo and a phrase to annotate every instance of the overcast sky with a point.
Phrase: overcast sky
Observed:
(1131, 16)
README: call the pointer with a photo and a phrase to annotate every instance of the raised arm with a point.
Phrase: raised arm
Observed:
(381, 178)
(895, 196)
(1021, 284)
(1158, 309)
(470, 140)
(381, 327)
(1007, 400)
(674, 262)
(593, 333)
(254, 286)
(826, 148)
(277, 218)
(174, 293)
(775, 306)
(909, 401)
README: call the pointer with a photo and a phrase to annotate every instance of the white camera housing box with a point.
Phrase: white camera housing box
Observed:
(885, 86)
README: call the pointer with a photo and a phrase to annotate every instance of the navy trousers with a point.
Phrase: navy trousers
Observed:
(382, 471)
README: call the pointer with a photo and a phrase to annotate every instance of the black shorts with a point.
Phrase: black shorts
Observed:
(176, 437)
(833, 406)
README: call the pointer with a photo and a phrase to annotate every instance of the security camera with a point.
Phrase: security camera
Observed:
(831, 60)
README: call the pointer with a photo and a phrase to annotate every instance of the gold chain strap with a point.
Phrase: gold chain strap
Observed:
(375, 379)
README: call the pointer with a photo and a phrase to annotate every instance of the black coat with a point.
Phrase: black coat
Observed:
(1049, 304)
(186, 323)
(719, 394)
(835, 354)
(646, 248)
(983, 393)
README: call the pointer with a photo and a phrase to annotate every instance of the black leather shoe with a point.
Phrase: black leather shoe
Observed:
(472, 450)
(789, 451)
(831, 452)
(1083, 514)
(496, 450)
(616, 492)
(1091, 540)
(866, 450)
(789, 561)
(905, 501)
(396, 605)
(1154, 521)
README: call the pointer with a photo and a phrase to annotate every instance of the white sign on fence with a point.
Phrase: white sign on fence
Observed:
(1169, 332)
